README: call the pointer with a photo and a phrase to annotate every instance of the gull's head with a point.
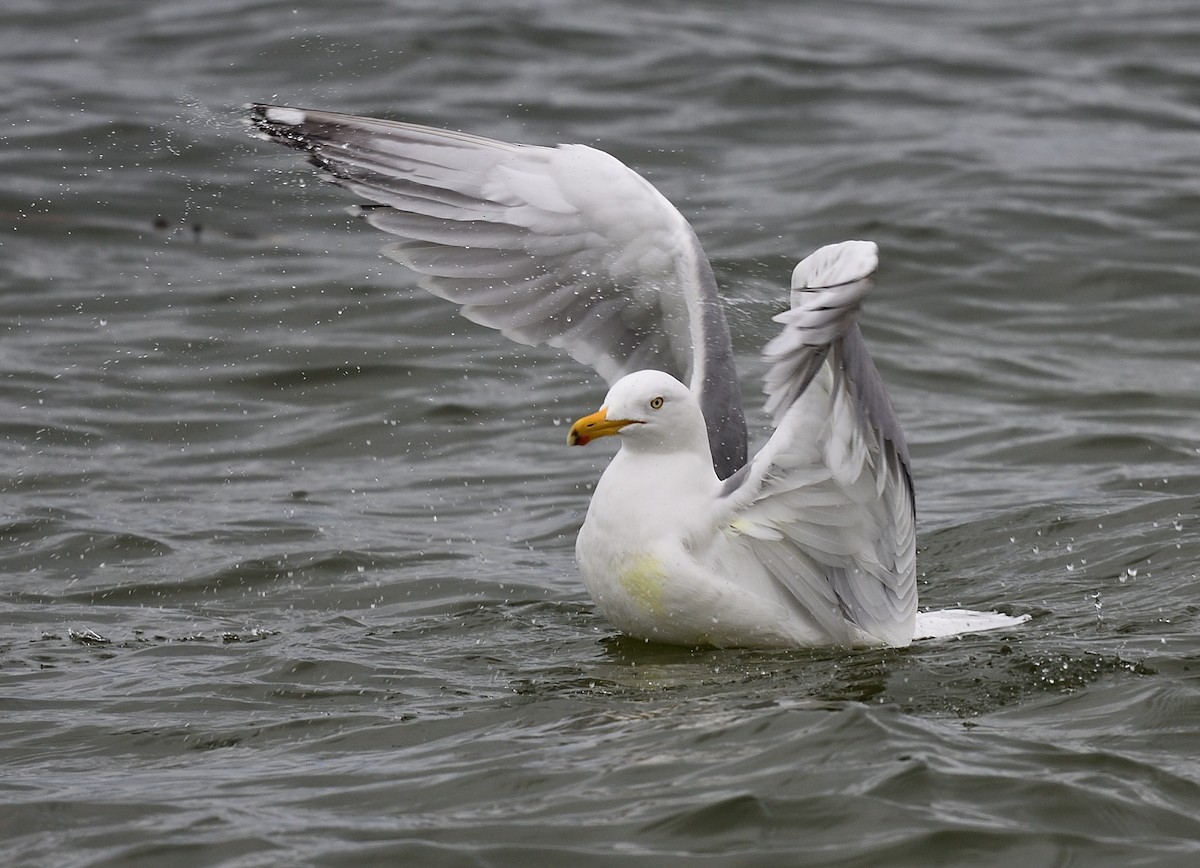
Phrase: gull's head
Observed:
(647, 407)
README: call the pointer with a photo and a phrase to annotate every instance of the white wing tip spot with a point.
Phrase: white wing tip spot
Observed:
(289, 116)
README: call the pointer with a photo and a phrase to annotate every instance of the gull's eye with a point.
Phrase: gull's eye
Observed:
(656, 403)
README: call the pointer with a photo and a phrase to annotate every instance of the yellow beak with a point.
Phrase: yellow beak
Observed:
(598, 424)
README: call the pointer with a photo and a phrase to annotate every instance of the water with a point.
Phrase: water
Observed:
(287, 547)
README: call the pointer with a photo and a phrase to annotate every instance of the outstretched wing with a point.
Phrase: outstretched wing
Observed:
(827, 504)
(563, 246)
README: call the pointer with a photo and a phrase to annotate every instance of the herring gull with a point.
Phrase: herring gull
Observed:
(812, 542)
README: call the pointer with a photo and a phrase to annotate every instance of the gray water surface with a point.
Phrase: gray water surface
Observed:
(287, 546)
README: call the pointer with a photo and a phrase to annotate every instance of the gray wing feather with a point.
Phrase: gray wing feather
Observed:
(829, 497)
(562, 246)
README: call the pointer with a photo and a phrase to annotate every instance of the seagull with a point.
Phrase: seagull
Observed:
(687, 540)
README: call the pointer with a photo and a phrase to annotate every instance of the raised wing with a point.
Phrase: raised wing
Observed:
(563, 246)
(827, 504)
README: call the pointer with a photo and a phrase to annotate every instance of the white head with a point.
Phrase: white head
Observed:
(649, 409)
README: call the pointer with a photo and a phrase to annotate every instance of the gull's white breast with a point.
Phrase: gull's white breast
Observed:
(658, 568)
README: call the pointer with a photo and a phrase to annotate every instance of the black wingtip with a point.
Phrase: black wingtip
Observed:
(281, 124)
(256, 113)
